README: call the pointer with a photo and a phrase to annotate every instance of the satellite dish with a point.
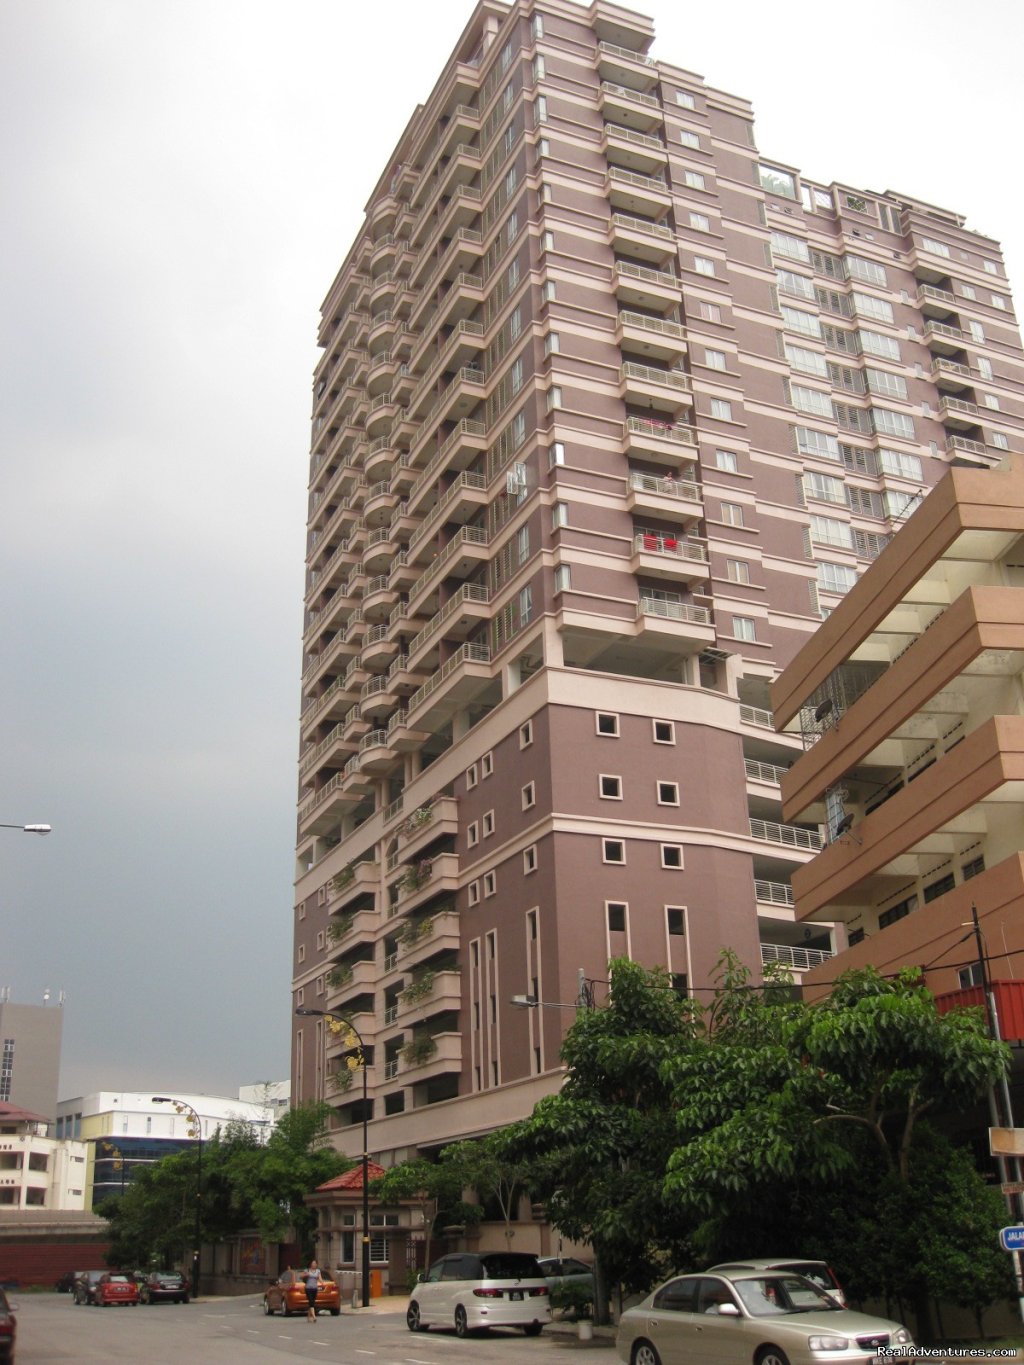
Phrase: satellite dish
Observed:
(845, 824)
(823, 709)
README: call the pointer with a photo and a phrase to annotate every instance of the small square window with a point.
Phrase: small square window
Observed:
(472, 777)
(732, 514)
(694, 180)
(490, 883)
(684, 98)
(672, 855)
(726, 461)
(529, 795)
(676, 918)
(472, 834)
(319, 985)
(668, 793)
(610, 787)
(1000, 441)
(689, 139)
(613, 850)
(664, 731)
(616, 912)
(530, 861)
(716, 360)
(320, 939)
(704, 265)
(743, 628)
(302, 952)
(700, 222)
(300, 994)
(710, 312)
(722, 409)
(990, 267)
(487, 765)
(300, 910)
(526, 734)
(473, 892)
(487, 823)
(607, 723)
(737, 570)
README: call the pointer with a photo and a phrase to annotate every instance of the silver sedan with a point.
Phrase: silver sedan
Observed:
(752, 1318)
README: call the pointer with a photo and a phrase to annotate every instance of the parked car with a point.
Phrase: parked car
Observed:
(818, 1272)
(164, 1286)
(287, 1295)
(85, 1285)
(114, 1288)
(564, 1270)
(468, 1291)
(8, 1329)
(768, 1317)
(66, 1283)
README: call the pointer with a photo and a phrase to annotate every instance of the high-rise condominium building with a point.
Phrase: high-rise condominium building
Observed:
(612, 409)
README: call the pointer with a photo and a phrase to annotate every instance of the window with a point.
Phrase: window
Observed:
(320, 940)
(490, 880)
(538, 27)
(797, 285)
(516, 376)
(609, 787)
(550, 291)
(783, 244)
(694, 179)
(935, 247)
(563, 578)
(838, 578)
(700, 222)
(870, 307)
(830, 531)
(968, 291)
(556, 455)
(715, 360)
(990, 267)
(726, 461)
(970, 976)
(559, 515)
(901, 465)
(526, 734)
(512, 276)
(667, 793)
(876, 343)
(891, 423)
(613, 851)
(743, 628)
(722, 409)
(488, 823)
(1000, 441)
(302, 953)
(985, 368)
(530, 861)
(472, 834)
(548, 238)
(810, 362)
(529, 795)
(552, 343)
(664, 731)
(732, 514)
(737, 570)
(777, 182)
(607, 723)
(976, 330)
(616, 913)
(487, 765)
(471, 777)
(672, 856)
(887, 384)
(541, 108)
(897, 912)
(972, 869)
(820, 443)
(799, 321)
(868, 271)
(991, 401)
(675, 917)
(811, 400)
(710, 312)
(937, 888)
(704, 265)
(525, 604)
(685, 99)
(538, 68)
(554, 398)
(689, 139)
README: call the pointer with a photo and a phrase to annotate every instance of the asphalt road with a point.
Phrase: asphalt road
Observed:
(53, 1331)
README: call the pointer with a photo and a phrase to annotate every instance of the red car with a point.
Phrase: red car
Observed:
(8, 1330)
(114, 1288)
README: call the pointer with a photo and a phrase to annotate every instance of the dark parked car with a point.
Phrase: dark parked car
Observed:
(85, 1285)
(8, 1329)
(113, 1288)
(66, 1283)
(164, 1286)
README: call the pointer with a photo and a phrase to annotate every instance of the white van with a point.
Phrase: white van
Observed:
(470, 1290)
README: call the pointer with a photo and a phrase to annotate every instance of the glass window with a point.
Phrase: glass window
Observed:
(823, 488)
(976, 330)
(985, 368)
(685, 99)
(743, 628)
(613, 850)
(893, 423)
(811, 442)
(694, 179)
(889, 385)
(715, 360)
(935, 247)
(726, 461)
(689, 139)
(703, 265)
(668, 793)
(783, 244)
(900, 464)
(810, 362)
(830, 531)
(990, 267)
(732, 514)
(798, 285)
(870, 307)
(710, 312)
(836, 578)
(563, 578)
(799, 321)
(737, 570)
(775, 181)
(722, 409)
(811, 400)
(868, 271)
(1000, 441)
(700, 222)
(876, 343)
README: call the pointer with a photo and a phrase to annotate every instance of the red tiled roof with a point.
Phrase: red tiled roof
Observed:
(13, 1114)
(353, 1179)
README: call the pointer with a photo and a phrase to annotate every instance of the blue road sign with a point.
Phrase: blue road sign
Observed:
(1012, 1239)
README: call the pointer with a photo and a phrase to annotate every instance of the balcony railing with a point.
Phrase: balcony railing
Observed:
(633, 224)
(793, 836)
(773, 893)
(467, 653)
(646, 543)
(610, 88)
(641, 182)
(682, 489)
(649, 374)
(763, 772)
(965, 444)
(757, 715)
(645, 324)
(800, 959)
(626, 270)
(662, 431)
(612, 50)
(674, 611)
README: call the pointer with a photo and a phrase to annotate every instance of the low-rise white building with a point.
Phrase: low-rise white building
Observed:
(36, 1171)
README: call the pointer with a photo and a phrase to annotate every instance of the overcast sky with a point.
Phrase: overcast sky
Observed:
(179, 182)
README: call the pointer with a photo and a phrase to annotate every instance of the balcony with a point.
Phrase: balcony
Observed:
(668, 391)
(427, 822)
(641, 237)
(323, 811)
(769, 774)
(464, 676)
(958, 412)
(353, 881)
(683, 623)
(664, 442)
(426, 938)
(633, 150)
(462, 211)
(642, 287)
(423, 1059)
(951, 374)
(788, 836)
(375, 754)
(773, 893)
(466, 550)
(943, 338)
(635, 70)
(433, 993)
(665, 556)
(631, 108)
(656, 337)
(459, 615)
(962, 445)
(343, 983)
(334, 748)
(678, 498)
(378, 647)
(424, 880)
(795, 958)
(637, 194)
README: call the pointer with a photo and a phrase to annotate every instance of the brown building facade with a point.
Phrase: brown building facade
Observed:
(611, 411)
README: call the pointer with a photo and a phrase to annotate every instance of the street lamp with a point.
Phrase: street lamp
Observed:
(29, 829)
(341, 1019)
(197, 1124)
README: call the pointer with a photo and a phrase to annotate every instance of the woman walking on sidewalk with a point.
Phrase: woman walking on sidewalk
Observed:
(313, 1282)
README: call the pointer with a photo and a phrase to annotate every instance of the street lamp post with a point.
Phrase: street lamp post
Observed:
(29, 829)
(341, 1019)
(181, 1106)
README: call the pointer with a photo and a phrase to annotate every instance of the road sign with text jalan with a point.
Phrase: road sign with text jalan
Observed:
(1012, 1187)
(1012, 1239)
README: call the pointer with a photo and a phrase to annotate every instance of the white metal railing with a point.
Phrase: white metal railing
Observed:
(683, 489)
(373, 740)
(942, 329)
(632, 223)
(613, 50)
(467, 653)
(628, 271)
(663, 431)
(655, 543)
(610, 88)
(650, 374)
(674, 611)
(664, 326)
(944, 366)
(629, 135)
(757, 715)
(798, 958)
(773, 893)
(639, 182)
(929, 291)
(764, 772)
(469, 592)
(959, 405)
(964, 443)
(793, 836)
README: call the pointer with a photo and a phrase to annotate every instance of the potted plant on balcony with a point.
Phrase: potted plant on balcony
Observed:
(419, 1050)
